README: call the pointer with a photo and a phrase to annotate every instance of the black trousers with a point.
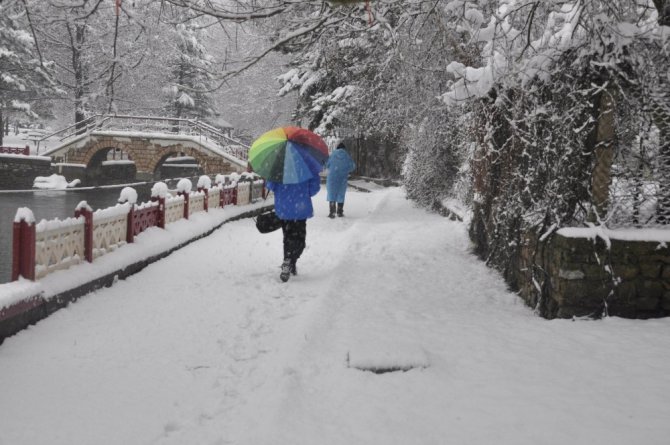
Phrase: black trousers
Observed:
(295, 232)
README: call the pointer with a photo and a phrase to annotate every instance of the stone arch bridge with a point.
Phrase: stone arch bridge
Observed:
(148, 145)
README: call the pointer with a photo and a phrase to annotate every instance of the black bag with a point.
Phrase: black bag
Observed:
(268, 222)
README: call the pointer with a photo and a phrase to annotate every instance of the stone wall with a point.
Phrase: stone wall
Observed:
(111, 174)
(571, 275)
(17, 173)
(169, 170)
(70, 172)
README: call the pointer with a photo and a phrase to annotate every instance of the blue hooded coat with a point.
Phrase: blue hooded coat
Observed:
(339, 166)
(294, 201)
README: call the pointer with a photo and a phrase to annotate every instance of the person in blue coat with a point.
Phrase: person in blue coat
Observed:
(339, 166)
(293, 205)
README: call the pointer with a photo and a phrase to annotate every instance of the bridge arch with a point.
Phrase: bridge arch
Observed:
(149, 153)
(163, 162)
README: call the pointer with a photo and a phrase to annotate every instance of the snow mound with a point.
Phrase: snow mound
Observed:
(54, 182)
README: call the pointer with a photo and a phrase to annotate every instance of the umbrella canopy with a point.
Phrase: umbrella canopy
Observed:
(288, 155)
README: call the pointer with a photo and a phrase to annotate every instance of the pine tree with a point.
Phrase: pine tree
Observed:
(190, 79)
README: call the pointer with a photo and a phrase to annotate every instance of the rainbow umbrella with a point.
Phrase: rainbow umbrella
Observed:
(288, 155)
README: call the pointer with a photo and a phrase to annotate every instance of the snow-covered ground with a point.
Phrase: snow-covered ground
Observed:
(207, 346)
(29, 137)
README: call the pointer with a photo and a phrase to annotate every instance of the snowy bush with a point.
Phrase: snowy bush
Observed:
(431, 163)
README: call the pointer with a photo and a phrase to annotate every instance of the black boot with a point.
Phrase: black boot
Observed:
(285, 270)
(294, 269)
(332, 210)
(340, 209)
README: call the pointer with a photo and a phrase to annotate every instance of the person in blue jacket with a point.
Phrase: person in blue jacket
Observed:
(339, 166)
(293, 205)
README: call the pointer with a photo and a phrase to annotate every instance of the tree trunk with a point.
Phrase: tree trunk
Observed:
(2, 133)
(604, 154)
(79, 77)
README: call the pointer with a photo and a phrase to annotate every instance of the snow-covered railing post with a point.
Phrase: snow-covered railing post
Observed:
(186, 196)
(23, 245)
(184, 187)
(84, 210)
(161, 213)
(129, 195)
(130, 235)
(204, 184)
(158, 193)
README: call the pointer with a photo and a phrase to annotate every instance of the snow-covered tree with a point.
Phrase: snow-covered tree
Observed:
(189, 83)
(560, 93)
(95, 46)
(24, 75)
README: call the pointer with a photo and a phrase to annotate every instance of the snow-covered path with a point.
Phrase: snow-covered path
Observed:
(208, 347)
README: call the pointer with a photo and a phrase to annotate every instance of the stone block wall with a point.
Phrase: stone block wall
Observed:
(178, 171)
(112, 174)
(570, 276)
(18, 173)
(70, 172)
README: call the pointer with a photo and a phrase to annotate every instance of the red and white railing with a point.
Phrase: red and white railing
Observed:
(15, 150)
(48, 246)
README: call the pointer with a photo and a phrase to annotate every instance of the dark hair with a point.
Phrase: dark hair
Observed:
(341, 145)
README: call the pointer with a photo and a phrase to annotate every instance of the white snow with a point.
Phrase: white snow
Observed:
(114, 211)
(24, 214)
(129, 195)
(68, 164)
(53, 224)
(9, 155)
(54, 182)
(83, 205)
(29, 137)
(184, 185)
(159, 190)
(652, 235)
(205, 182)
(118, 162)
(180, 165)
(207, 346)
